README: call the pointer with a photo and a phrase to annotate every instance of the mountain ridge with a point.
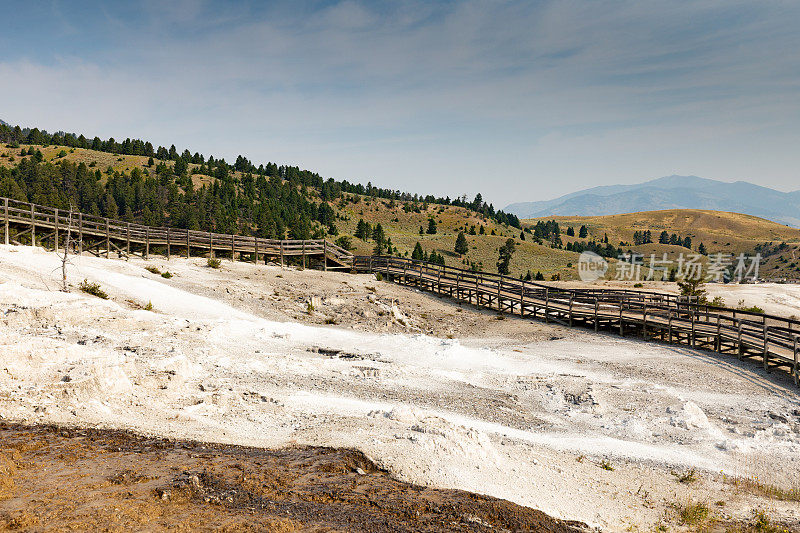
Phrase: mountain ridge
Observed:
(670, 192)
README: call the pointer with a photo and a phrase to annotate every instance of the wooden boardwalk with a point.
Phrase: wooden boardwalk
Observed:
(770, 340)
(26, 223)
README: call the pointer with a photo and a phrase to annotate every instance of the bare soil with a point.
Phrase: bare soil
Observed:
(56, 479)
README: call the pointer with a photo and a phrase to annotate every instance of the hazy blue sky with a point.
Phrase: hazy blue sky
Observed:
(517, 100)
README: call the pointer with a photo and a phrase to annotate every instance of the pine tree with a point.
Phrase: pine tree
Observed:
(504, 259)
(417, 254)
(431, 226)
(462, 246)
(583, 232)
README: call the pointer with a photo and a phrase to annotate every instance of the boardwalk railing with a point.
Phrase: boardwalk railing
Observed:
(32, 223)
(660, 316)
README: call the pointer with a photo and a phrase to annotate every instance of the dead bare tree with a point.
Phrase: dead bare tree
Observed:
(65, 258)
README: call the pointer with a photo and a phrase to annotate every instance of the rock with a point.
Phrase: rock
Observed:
(780, 418)
(360, 472)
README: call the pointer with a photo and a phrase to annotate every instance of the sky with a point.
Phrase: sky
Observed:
(520, 101)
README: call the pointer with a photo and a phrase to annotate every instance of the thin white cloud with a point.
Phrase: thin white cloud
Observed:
(439, 98)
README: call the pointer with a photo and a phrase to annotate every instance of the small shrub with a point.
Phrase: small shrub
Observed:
(694, 514)
(152, 269)
(213, 262)
(166, 274)
(761, 523)
(378, 276)
(62, 153)
(638, 285)
(93, 289)
(688, 477)
(605, 464)
(149, 306)
(310, 308)
(753, 309)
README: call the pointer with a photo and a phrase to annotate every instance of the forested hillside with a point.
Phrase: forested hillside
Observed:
(137, 182)
(186, 190)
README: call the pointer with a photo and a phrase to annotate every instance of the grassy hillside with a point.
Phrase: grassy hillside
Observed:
(719, 232)
(401, 220)
(403, 229)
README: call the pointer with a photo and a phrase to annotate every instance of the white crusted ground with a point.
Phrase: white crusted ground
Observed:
(529, 418)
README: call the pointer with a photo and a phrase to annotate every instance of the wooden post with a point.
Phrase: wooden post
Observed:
(741, 348)
(692, 341)
(669, 326)
(56, 232)
(439, 280)
(255, 247)
(571, 296)
(547, 305)
(796, 366)
(147, 242)
(211, 245)
(304, 255)
(596, 313)
(621, 320)
(168, 248)
(108, 240)
(33, 226)
(281, 244)
(522, 300)
(719, 334)
(765, 361)
(499, 289)
(233, 247)
(644, 322)
(128, 241)
(80, 233)
(188, 244)
(325, 253)
(7, 220)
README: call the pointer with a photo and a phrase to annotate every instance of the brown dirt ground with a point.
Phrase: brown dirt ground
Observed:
(57, 479)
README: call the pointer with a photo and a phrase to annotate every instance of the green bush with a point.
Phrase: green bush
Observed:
(166, 274)
(213, 262)
(93, 289)
(152, 269)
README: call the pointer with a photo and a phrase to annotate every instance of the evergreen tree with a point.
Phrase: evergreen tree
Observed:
(418, 254)
(504, 259)
(583, 232)
(462, 246)
(431, 226)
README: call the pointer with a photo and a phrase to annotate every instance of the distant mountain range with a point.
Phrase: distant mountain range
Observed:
(670, 192)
